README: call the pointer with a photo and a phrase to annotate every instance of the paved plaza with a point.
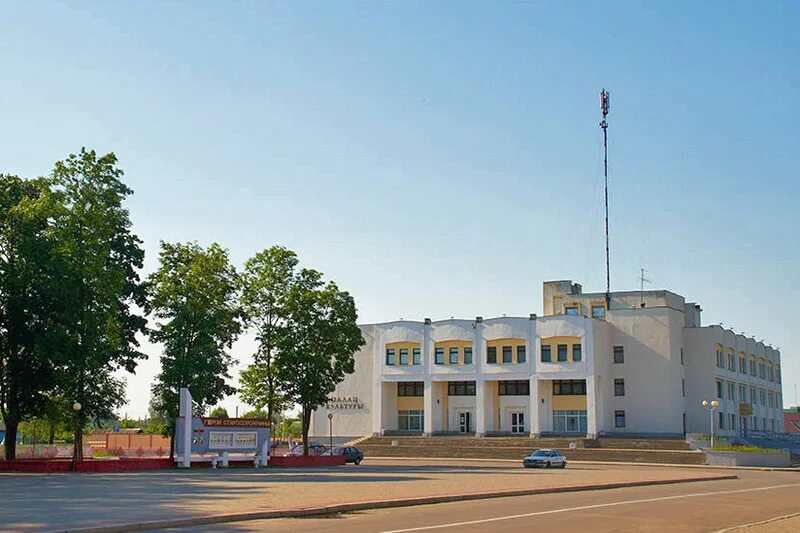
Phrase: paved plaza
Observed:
(61, 501)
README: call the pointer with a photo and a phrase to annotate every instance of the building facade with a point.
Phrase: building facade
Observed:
(633, 363)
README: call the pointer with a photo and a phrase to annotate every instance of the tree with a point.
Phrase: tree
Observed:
(255, 413)
(219, 412)
(29, 298)
(101, 259)
(193, 295)
(317, 350)
(266, 280)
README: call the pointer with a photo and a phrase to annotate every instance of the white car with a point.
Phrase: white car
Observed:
(545, 459)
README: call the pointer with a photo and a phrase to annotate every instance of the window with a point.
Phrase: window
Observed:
(731, 362)
(546, 357)
(390, 356)
(619, 419)
(683, 387)
(562, 353)
(778, 373)
(576, 353)
(762, 396)
(410, 420)
(771, 375)
(454, 355)
(752, 365)
(416, 356)
(742, 393)
(682, 362)
(721, 417)
(514, 388)
(753, 398)
(569, 387)
(439, 356)
(761, 369)
(491, 354)
(468, 355)
(411, 388)
(619, 387)
(719, 389)
(521, 353)
(619, 354)
(571, 310)
(770, 399)
(731, 391)
(403, 356)
(598, 311)
(461, 388)
(742, 364)
(720, 360)
(732, 421)
(507, 357)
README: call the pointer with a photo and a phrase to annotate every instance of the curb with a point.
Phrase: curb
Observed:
(613, 463)
(370, 505)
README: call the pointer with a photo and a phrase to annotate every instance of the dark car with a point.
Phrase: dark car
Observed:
(351, 454)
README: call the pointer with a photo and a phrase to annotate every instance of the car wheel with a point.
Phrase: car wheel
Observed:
(357, 462)
(564, 464)
(547, 465)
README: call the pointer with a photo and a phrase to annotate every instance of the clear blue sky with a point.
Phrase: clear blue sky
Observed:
(438, 158)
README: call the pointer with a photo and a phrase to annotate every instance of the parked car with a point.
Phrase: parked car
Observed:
(351, 454)
(313, 449)
(545, 459)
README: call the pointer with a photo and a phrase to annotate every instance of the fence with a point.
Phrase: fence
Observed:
(130, 441)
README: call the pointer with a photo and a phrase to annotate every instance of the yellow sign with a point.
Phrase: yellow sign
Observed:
(745, 409)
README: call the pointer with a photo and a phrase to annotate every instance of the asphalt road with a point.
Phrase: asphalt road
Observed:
(702, 506)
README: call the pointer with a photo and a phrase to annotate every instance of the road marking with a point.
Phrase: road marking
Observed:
(585, 507)
(759, 523)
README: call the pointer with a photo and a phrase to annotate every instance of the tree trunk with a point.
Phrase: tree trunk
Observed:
(172, 447)
(11, 440)
(78, 439)
(52, 437)
(306, 424)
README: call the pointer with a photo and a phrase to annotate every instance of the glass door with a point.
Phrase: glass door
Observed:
(517, 422)
(464, 422)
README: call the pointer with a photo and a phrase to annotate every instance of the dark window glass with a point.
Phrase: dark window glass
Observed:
(521, 353)
(619, 387)
(576, 352)
(562, 353)
(514, 388)
(619, 419)
(569, 387)
(403, 356)
(572, 311)
(411, 388)
(619, 354)
(546, 357)
(507, 354)
(468, 355)
(719, 389)
(416, 356)
(461, 388)
(454, 356)
(439, 356)
(390, 356)
(491, 354)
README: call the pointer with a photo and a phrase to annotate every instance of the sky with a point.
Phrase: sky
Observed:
(437, 159)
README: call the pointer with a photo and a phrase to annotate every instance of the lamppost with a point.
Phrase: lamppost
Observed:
(76, 407)
(330, 428)
(711, 406)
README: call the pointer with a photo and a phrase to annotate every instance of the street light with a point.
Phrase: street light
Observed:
(711, 406)
(75, 407)
(330, 428)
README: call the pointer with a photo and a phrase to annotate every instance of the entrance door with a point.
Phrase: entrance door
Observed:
(464, 422)
(517, 422)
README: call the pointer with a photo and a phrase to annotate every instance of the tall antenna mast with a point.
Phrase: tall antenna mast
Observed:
(642, 281)
(605, 105)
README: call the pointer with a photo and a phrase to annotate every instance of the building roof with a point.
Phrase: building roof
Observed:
(791, 421)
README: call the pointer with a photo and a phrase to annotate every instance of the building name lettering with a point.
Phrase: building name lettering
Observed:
(344, 402)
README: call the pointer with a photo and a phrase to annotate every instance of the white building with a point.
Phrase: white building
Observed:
(637, 363)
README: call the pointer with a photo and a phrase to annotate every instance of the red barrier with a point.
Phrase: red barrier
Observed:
(310, 460)
(45, 466)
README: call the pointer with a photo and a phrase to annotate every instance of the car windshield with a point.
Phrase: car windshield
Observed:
(541, 453)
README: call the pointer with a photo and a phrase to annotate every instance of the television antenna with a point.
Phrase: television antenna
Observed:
(605, 106)
(642, 281)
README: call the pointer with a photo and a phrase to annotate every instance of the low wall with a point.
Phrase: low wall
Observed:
(310, 460)
(771, 459)
(128, 441)
(45, 466)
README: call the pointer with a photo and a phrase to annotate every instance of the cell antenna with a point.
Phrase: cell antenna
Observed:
(605, 106)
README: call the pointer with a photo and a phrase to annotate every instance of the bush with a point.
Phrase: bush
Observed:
(160, 452)
(101, 454)
(140, 452)
(747, 449)
(119, 452)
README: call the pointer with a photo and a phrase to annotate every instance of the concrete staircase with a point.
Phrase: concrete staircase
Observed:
(667, 451)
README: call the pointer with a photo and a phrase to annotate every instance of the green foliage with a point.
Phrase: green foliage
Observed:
(193, 295)
(316, 352)
(255, 413)
(219, 412)
(747, 449)
(101, 258)
(266, 281)
(30, 301)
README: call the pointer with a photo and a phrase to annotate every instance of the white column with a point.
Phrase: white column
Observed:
(480, 413)
(377, 385)
(428, 407)
(591, 407)
(185, 411)
(533, 408)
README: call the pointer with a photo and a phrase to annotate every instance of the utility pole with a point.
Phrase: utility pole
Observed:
(605, 106)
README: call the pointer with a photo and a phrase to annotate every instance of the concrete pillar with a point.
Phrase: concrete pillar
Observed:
(591, 408)
(533, 408)
(428, 407)
(480, 412)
